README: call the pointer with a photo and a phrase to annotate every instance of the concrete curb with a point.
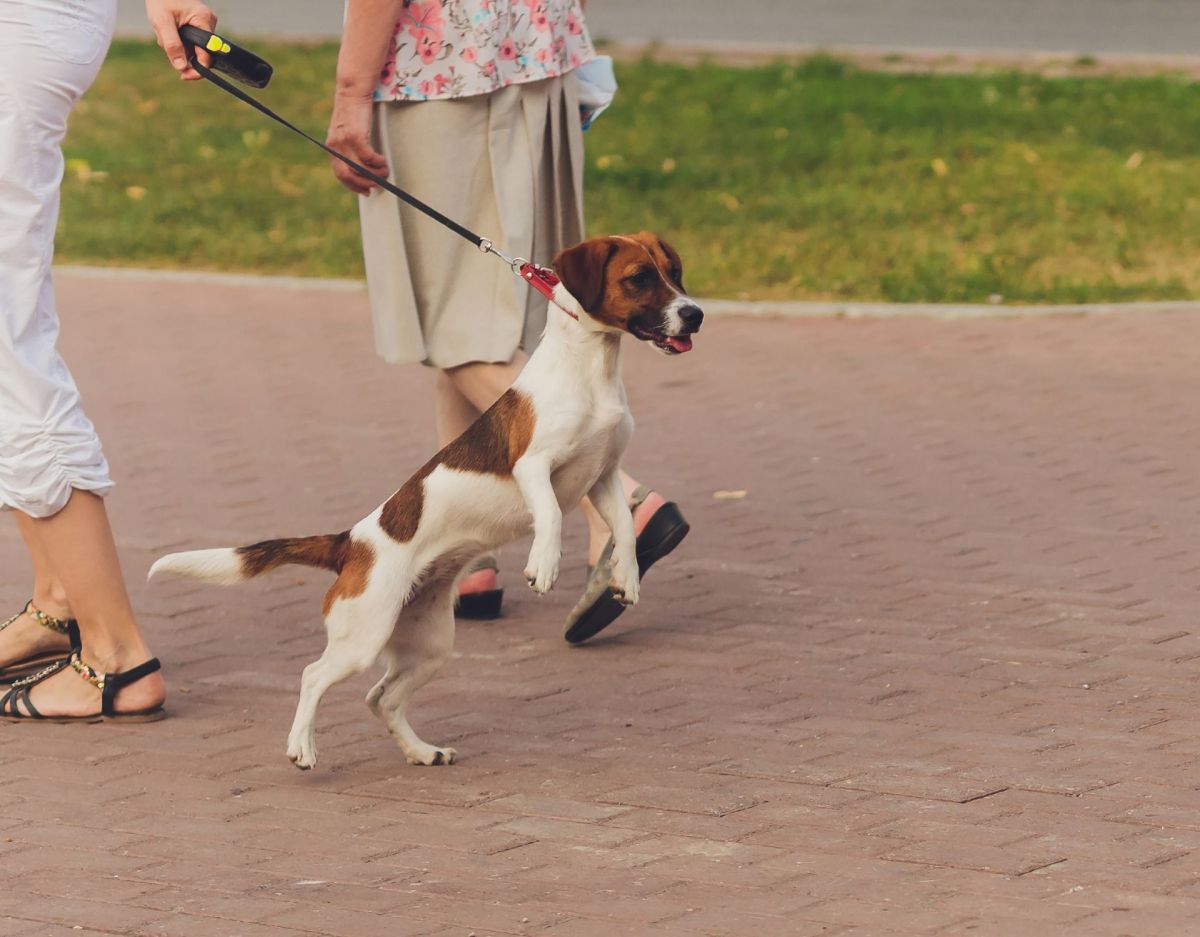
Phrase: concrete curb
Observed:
(763, 309)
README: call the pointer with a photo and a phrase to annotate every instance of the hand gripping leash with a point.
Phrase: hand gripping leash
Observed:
(250, 69)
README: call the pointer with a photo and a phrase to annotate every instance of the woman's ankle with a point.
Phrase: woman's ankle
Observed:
(52, 601)
(646, 510)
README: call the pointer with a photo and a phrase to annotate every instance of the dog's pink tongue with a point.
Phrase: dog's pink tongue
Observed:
(681, 343)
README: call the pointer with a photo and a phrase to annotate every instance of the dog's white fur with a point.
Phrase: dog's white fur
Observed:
(404, 613)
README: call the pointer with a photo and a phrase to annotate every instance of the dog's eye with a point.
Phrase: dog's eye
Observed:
(641, 278)
(676, 273)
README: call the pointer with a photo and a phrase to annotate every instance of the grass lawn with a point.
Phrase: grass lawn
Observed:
(780, 182)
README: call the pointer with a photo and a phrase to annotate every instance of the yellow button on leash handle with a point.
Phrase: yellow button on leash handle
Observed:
(236, 62)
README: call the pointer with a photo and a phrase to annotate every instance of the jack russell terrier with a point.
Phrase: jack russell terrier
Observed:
(558, 434)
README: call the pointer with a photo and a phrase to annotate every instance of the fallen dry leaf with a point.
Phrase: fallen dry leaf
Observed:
(729, 495)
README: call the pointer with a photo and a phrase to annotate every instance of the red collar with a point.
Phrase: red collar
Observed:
(543, 280)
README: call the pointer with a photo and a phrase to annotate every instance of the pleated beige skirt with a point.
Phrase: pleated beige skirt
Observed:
(508, 165)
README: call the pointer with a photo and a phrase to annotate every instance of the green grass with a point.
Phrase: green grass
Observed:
(782, 182)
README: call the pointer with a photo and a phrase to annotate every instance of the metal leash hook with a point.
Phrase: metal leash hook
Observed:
(542, 279)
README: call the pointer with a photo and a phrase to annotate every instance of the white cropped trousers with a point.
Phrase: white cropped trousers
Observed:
(50, 52)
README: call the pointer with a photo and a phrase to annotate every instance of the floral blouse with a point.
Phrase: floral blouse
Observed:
(457, 48)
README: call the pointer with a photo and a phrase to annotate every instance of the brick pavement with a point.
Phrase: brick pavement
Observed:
(936, 673)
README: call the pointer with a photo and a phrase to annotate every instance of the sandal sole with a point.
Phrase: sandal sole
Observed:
(155, 715)
(479, 606)
(663, 533)
(29, 666)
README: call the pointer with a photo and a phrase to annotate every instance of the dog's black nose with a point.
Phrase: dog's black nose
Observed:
(691, 316)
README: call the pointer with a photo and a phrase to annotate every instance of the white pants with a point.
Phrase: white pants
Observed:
(50, 52)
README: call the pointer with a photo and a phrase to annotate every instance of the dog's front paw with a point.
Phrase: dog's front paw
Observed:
(303, 753)
(542, 570)
(625, 582)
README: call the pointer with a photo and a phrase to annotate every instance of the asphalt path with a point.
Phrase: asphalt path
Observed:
(1132, 27)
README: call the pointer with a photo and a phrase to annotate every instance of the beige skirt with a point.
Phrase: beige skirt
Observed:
(509, 166)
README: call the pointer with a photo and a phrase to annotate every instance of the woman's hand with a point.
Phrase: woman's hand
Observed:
(166, 16)
(365, 37)
(350, 133)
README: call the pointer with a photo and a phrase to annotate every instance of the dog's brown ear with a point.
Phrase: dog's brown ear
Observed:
(582, 270)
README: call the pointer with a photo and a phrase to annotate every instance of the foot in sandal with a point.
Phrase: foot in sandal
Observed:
(660, 526)
(76, 691)
(479, 596)
(32, 639)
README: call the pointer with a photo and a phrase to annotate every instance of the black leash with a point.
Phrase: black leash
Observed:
(253, 70)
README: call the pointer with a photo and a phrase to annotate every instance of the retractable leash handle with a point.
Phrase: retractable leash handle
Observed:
(250, 69)
(236, 62)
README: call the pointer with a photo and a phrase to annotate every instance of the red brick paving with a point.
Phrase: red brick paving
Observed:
(937, 673)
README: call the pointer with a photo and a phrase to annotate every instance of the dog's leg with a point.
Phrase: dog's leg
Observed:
(419, 645)
(532, 475)
(357, 630)
(608, 497)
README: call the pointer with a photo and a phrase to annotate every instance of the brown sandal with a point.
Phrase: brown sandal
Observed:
(35, 662)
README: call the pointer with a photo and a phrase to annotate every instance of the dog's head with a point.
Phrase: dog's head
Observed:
(632, 284)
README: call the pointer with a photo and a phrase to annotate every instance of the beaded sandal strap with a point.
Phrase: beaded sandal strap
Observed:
(60, 625)
(39, 675)
(48, 621)
(87, 672)
(111, 683)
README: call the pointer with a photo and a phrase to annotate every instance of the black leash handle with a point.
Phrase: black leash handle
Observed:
(249, 68)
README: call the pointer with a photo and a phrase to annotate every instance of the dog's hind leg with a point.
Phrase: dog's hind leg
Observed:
(418, 647)
(357, 628)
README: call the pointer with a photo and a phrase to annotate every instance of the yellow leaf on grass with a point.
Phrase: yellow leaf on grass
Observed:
(1134, 161)
(939, 167)
(729, 201)
(82, 170)
(147, 107)
(1031, 156)
(136, 192)
(668, 165)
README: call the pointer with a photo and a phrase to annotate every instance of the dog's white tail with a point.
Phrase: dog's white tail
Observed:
(227, 565)
(222, 566)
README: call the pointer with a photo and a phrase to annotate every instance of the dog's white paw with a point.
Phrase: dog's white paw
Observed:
(625, 582)
(430, 755)
(303, 754)
(541, 572)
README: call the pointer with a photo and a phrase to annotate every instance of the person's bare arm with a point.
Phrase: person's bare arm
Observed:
(365, 37)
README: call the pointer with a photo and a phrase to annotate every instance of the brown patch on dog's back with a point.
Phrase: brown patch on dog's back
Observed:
(402, 511)
(491, 446)
(358, 559)
(493, 443)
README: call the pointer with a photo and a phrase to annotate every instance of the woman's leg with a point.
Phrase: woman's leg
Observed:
(79, 543)
(26, 637)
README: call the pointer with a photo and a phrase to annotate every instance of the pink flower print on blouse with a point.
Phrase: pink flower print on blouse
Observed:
(388, 74)
(459, 48)
(424, 23)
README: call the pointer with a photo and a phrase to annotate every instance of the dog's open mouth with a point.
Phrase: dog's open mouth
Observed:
(670, 344)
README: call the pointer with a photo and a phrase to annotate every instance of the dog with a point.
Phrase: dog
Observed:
(556, 435)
